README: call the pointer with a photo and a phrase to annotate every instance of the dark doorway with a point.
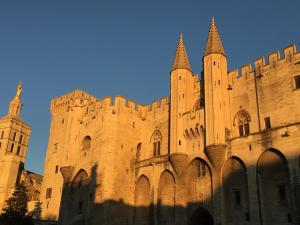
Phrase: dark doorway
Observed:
(201, 217)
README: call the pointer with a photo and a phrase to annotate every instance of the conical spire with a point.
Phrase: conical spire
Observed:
(214, 43)
(181, 60)
(16, 104)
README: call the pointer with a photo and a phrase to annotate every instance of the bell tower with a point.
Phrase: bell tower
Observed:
(14, 138)
(217, 117)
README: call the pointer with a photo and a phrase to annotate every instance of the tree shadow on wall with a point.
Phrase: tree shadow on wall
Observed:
(275, 194)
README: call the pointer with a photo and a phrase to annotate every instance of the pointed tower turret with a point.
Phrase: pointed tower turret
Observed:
(15, 104)
(214, 43)
(217, 118)
(181, 60)
(182, 100)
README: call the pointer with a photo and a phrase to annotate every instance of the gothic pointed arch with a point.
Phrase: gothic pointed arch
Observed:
(198, 183)
(142, 201)
(274, 187)
(235, 190)
(155, 140)
(242, 120)
(79, 193)
(166, 198)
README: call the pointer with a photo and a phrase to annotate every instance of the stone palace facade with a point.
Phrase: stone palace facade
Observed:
(223, 149)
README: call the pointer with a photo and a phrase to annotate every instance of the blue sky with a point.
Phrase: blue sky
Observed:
(110, 47)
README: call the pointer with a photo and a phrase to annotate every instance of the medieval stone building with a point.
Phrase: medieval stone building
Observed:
(224, 149)
(14, 139)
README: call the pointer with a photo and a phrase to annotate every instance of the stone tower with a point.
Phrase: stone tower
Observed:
(14, 138)
(217, 117)
(181, 79)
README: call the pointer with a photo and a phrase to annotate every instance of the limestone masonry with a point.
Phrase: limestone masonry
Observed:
(223, 149)
(14, 139)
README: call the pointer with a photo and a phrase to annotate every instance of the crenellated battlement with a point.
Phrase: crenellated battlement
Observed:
(75, 98)
(261, 65)
(79, 98)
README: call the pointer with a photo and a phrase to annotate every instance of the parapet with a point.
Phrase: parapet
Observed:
(261, 66)
(75, 98)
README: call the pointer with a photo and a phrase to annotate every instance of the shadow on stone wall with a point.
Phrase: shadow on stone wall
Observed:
(269, 196)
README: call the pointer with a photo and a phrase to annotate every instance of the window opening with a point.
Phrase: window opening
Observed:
(282, 192)
(297, 81)
(19, 150)
(49, 193)
(12, 148)
(268, 123)
(156, 141)
(237, 197)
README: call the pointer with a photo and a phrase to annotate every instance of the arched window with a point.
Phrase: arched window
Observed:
(242, 120)
(86, 143)
(156, 142)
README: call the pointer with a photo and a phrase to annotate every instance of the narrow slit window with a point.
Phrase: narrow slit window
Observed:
(19, 150)
(12, 148)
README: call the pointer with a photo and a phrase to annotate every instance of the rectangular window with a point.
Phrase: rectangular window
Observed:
(158, 148)
(203, 170)
(282, 193)
(56, 169)
(21, 137)
(2, 134)
(237, 197)
(0, 145)
(49, 193)
(297, 81)
(247, 130)
(80, 206)
(268, 123)
(241, 130)
(14, 138)
(12, 148)
(19, 150)
(198, 168)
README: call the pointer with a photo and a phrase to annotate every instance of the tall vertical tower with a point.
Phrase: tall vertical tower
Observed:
(14, 138)
(181, 102)
(217, 117)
